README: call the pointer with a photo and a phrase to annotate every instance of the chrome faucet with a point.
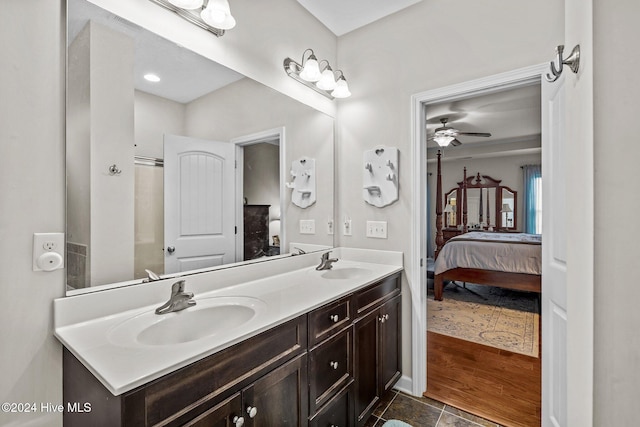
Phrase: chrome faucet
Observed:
(300, 251)
(179, 299)
(326, 263)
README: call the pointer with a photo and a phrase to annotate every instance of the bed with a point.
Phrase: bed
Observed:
(507, 260)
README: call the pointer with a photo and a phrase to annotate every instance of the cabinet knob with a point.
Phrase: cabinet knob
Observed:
(384, 318)
(238, 421)
(334, 365)
(334, 318)
(252, 411)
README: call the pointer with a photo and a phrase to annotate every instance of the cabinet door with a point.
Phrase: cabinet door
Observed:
(366, 366)
(337, 413)
(330, 368)
(280, 398)
(390, 343)
(225, 414)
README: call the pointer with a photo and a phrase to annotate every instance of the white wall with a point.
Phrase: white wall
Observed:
(614, 131)
(111, 142)
(32, 188)
(154, 117)
(420, 48)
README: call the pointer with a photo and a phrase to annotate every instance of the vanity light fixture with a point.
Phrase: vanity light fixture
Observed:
(212, 15)
(313, 74)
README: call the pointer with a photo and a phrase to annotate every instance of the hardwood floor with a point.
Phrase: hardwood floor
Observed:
(491, 383)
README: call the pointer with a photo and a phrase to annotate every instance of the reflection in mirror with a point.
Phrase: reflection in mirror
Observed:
(152, 182)
(508, 211)
(451, 209)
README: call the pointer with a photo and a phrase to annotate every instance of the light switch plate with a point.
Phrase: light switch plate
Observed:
(346, 227)
(377, 229)
(307, 226)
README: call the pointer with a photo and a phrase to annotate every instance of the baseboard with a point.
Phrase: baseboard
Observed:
(405, 385)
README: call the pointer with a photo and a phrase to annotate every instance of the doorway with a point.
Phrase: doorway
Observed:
(260, 177)
(416, 270)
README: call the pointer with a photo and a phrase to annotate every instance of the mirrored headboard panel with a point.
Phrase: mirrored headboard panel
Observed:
(185, 173)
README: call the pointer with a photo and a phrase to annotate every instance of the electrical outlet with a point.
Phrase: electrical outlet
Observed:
(48, 251)
(377, 229)
(346, 227)
(307, 226)
(330, 227)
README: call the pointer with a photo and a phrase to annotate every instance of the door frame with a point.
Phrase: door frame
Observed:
(416, 271)
(251, 139)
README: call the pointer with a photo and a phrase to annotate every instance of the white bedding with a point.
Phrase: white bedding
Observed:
(509, 252)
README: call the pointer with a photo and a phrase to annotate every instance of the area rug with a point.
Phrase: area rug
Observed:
(487, 315)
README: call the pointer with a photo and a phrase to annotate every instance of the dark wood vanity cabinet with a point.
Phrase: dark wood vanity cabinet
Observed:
(325, 368)
(377, 347)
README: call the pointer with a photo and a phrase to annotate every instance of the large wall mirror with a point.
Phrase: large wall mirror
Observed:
(181, 174)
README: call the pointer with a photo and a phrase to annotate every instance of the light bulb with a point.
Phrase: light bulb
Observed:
(342, 89)
(218, 15)
(443, 140)
(327, 81)
(187, 4)
(311, 71)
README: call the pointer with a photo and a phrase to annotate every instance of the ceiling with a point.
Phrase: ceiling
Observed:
(343, 16)
(510, 116)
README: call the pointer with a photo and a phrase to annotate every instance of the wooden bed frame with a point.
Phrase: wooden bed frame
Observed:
(502, 279)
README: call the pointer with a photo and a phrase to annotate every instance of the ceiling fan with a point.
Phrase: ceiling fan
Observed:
(445, 135)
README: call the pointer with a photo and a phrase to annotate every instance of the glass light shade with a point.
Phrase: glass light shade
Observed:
(443, 140)
(327, 81)
(342, 89)
(218, 15)
(448, 208)
(506, 208)
(311, 71)
(187, 4)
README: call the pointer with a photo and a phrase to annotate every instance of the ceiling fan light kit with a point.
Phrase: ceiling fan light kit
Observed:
(447, 135)
(319, 77)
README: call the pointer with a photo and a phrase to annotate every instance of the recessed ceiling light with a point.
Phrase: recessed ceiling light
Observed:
(152, 78)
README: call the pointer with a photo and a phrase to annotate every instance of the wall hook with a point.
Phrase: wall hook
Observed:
(573, 61)
(113, 170)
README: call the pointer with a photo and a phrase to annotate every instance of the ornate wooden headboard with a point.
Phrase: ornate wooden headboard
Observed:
(505, 202)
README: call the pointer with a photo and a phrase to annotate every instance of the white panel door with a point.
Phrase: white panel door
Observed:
(554, 264)
(199, 208)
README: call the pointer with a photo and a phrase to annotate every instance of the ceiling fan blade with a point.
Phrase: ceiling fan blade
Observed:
(485, 134)
(455, 143)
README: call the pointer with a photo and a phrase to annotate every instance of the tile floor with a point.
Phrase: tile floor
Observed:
(422, 412)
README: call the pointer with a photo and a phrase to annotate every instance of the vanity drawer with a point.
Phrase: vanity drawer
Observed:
(338, 412)
(373, 296)
(330, 368)
(327, 320)
(188, 390)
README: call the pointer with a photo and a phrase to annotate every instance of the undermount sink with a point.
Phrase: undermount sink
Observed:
(345, 273)
(210, 316)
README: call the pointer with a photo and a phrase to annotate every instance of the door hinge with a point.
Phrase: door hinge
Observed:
(421, 262)
(235, 228)
(235, 164)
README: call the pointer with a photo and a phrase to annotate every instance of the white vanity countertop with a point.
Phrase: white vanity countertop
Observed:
(288, 287)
